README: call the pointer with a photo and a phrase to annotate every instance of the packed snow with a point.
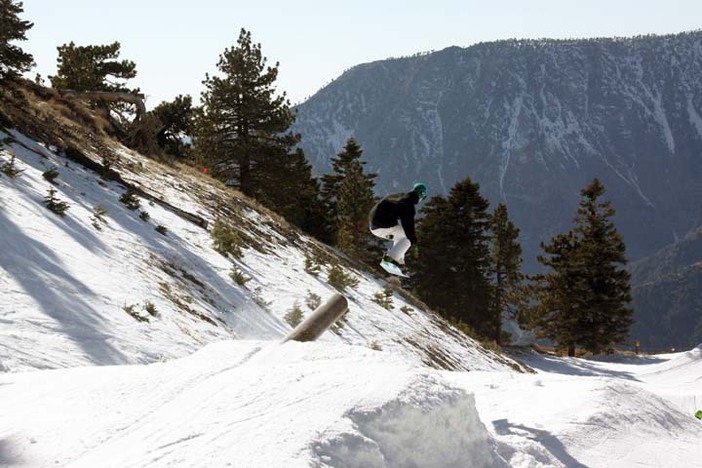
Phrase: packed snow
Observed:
(208, 381)
(267, 404)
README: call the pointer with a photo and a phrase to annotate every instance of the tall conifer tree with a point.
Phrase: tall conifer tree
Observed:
(242, 122)
(506, 268)
(584, 298)
(13, 60)
(355, 200)
(451, 273)
(555, 313)
(332, 183)
(605, 311)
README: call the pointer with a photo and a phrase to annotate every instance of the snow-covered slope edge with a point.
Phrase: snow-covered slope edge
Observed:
(77, 295)
(320, 403)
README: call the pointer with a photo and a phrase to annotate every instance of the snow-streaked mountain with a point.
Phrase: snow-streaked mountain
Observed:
(124, 346)
(533, 121)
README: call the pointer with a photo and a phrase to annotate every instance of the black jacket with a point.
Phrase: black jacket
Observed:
(394, 208)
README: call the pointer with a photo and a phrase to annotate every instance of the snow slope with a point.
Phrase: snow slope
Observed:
(68, 287)
(266, 404)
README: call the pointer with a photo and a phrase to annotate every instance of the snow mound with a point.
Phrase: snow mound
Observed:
(686, 364)
(428, 425)
(240, 403)
(625, 415)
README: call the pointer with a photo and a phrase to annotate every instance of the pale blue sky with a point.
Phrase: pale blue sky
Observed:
(174, 42)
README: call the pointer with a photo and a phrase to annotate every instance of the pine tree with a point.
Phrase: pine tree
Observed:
(506, 264)
(355, 200)
(453, 267)
(92, 68)
(242, 122)
(13, 60)
(554, 315)
(584, 298)
(331, 183)
(284, 183)
(175, 121)
(604, 315)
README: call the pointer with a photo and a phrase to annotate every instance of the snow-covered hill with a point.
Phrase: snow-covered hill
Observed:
(74, 294)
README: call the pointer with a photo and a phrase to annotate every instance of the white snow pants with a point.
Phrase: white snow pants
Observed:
(400, 242)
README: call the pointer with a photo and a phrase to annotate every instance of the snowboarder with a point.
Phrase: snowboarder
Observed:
(393, 219)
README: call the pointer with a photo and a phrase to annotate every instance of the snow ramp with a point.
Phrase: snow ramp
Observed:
(244, 404)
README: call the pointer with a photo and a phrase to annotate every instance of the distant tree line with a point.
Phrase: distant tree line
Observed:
(469, 264)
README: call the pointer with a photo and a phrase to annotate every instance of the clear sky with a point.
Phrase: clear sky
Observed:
(175, 42)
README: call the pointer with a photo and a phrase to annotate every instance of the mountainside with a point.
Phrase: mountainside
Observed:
(667, 298)
(106, 284)
(533, 122)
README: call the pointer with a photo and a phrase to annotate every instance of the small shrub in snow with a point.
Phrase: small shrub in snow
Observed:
(10, 169)
(107, 163)
(130, 200)
(384, 298)
(339, 279)
(161, 229)
(145, 216)
(131, 310)
(258, 299)
(406, 309)
(151, 308)
(98, 217)
(294, 315)
(54, 204)
(239, 277)
(227, 240)
(50, 175)
(312, 264)
(313, 300)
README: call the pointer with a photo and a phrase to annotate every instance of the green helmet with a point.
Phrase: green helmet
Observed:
(698, 414)
(421, 190)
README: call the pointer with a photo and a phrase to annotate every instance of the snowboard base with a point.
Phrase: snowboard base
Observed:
(392, 269)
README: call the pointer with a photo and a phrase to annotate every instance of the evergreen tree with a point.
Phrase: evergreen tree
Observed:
(175, 121)
(242, 122)
(284, 183)
(604, 315)
(554, 315)
(331, 183)
(355, 200)
(585, 297)
(13, 60)
(506, 264)
(92, 68)
(453, 267)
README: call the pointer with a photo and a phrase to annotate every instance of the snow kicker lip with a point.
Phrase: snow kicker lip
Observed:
(429, 424)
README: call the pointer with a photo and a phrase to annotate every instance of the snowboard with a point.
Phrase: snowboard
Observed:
(392, 269)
